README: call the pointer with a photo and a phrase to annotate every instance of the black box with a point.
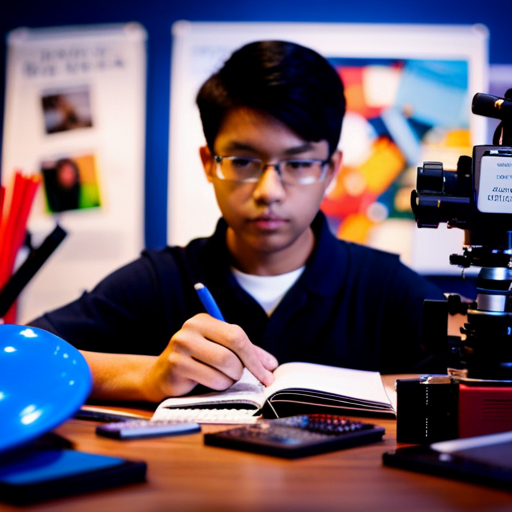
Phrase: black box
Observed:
(427, 410)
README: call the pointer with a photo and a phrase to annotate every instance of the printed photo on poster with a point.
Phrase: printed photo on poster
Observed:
(66, 109)
(71, 183)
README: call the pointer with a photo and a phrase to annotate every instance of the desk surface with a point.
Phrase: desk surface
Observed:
(183, 474)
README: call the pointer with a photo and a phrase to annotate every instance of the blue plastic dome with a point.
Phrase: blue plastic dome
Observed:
(43, 381)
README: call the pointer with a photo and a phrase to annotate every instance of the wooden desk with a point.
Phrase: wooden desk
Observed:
(184, 475)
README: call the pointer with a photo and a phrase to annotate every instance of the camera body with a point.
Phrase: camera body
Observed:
(476, 197)
(475, 396)
(436, 408)
(427, 410)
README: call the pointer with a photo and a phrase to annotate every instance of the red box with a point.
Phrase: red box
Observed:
(484, 410)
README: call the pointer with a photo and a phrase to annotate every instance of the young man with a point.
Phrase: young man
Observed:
(288, 289)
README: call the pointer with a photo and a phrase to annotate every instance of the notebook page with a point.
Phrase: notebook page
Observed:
(359, 384)
(247, 391)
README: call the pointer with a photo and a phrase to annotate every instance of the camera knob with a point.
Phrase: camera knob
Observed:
(430, 177)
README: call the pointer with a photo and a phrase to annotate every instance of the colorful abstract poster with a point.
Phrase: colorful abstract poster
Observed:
(409, 91)
(400, 112)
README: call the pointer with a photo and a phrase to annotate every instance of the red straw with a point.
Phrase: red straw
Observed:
(29, 191)
(13, 228)
(9, 228)
(2, 197)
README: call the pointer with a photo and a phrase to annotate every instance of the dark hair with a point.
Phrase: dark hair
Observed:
(292, 83)
(62, 198)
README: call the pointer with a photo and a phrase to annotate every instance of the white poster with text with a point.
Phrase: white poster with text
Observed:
(75, 116)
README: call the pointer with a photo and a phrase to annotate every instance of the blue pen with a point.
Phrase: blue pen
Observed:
(210, 305)
(208, 301)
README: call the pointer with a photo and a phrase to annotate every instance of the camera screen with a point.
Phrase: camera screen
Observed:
(495, 184)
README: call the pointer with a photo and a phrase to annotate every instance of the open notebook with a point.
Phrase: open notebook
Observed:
(298, 388)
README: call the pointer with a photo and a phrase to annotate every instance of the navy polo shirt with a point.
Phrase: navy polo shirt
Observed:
(353, 306)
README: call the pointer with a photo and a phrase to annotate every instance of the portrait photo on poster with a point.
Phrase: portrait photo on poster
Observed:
(68, 108)
(71, 183)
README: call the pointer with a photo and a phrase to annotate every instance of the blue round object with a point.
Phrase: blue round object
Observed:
(43, 381)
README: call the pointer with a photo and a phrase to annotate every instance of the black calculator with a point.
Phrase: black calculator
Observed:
(297, 436)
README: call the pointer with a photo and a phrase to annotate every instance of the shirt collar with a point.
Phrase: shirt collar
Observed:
(325, 268)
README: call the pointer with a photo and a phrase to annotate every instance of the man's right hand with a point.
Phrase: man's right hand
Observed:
(206, 351)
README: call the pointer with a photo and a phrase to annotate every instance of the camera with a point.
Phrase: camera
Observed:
(476, 197)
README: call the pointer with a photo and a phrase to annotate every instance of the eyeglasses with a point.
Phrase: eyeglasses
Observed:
(250, 170)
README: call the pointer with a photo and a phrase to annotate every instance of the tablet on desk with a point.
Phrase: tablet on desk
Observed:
(33, 474)
(484, 459)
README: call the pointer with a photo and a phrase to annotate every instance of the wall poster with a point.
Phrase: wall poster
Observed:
(408, 91)
(75, 115)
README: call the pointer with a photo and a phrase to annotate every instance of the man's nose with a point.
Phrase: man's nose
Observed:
(269, 188)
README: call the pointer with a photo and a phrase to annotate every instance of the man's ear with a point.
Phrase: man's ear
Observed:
(334, 168)
(207, 161)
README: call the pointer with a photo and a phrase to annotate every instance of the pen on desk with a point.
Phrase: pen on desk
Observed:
(208, 301)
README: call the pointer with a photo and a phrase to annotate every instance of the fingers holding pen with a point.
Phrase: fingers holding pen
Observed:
(227, 347)
(259, 362)
(187, 372)
(267, 359)
(206, 351)
(190, 359)
(200, 339)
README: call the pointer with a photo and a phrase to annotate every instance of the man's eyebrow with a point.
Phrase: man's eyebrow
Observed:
(295, 150)
(307, 146)
(240, 145)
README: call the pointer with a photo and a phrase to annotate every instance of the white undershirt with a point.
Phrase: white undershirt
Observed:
(267, 290)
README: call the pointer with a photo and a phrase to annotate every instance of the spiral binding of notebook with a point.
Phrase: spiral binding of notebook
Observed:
(213, 416)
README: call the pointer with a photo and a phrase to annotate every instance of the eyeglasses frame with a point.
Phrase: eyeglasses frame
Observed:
(277, 166)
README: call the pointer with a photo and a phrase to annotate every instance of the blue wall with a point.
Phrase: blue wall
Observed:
(157, 16)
